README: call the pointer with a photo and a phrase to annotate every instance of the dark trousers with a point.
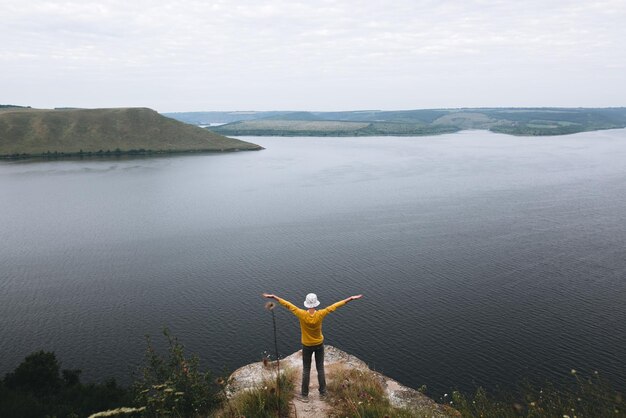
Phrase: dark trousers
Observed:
(307, 352)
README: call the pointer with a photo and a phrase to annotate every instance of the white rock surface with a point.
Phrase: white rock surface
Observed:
(399, 395)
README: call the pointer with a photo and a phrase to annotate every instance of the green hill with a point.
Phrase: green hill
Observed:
(64, 132)
(294, 127)
(513, 121)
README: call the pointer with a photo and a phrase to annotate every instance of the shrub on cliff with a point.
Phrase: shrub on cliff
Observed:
(173, 385)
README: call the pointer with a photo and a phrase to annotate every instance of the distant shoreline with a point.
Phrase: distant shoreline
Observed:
(294, 135)
(114, 154)
(419, 122)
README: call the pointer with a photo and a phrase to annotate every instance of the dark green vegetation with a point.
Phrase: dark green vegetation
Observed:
(172, 384)
(169, 384)
(38, 388)
(103, 132)
(582, 397)
(10, 106)
(513, 121)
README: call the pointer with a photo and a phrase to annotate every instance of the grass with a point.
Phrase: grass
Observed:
(360, 394)
(266, 400)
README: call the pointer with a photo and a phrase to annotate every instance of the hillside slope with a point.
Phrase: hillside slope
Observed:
(513, 121)
(292, 127)
(36, 133)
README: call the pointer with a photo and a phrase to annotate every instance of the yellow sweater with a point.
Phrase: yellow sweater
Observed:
(311, 325)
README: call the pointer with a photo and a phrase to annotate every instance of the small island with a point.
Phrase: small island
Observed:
(60, 133)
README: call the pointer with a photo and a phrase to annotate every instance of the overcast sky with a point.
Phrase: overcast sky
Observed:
(312, 55)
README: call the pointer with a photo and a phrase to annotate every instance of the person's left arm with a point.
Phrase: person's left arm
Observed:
(334, 306)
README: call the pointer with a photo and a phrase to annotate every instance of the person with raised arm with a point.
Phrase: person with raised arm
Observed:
(312, 337)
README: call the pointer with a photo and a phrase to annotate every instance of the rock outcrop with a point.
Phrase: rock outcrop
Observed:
(251, 375)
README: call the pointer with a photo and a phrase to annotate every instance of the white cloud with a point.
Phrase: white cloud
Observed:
(194, 55)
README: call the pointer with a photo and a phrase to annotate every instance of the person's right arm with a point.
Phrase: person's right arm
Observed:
(293, 308)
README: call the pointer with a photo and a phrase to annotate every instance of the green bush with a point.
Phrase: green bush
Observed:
(37, 374)
(37, 389)
(173, 385)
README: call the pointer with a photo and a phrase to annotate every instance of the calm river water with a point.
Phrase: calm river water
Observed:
(484, 259)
